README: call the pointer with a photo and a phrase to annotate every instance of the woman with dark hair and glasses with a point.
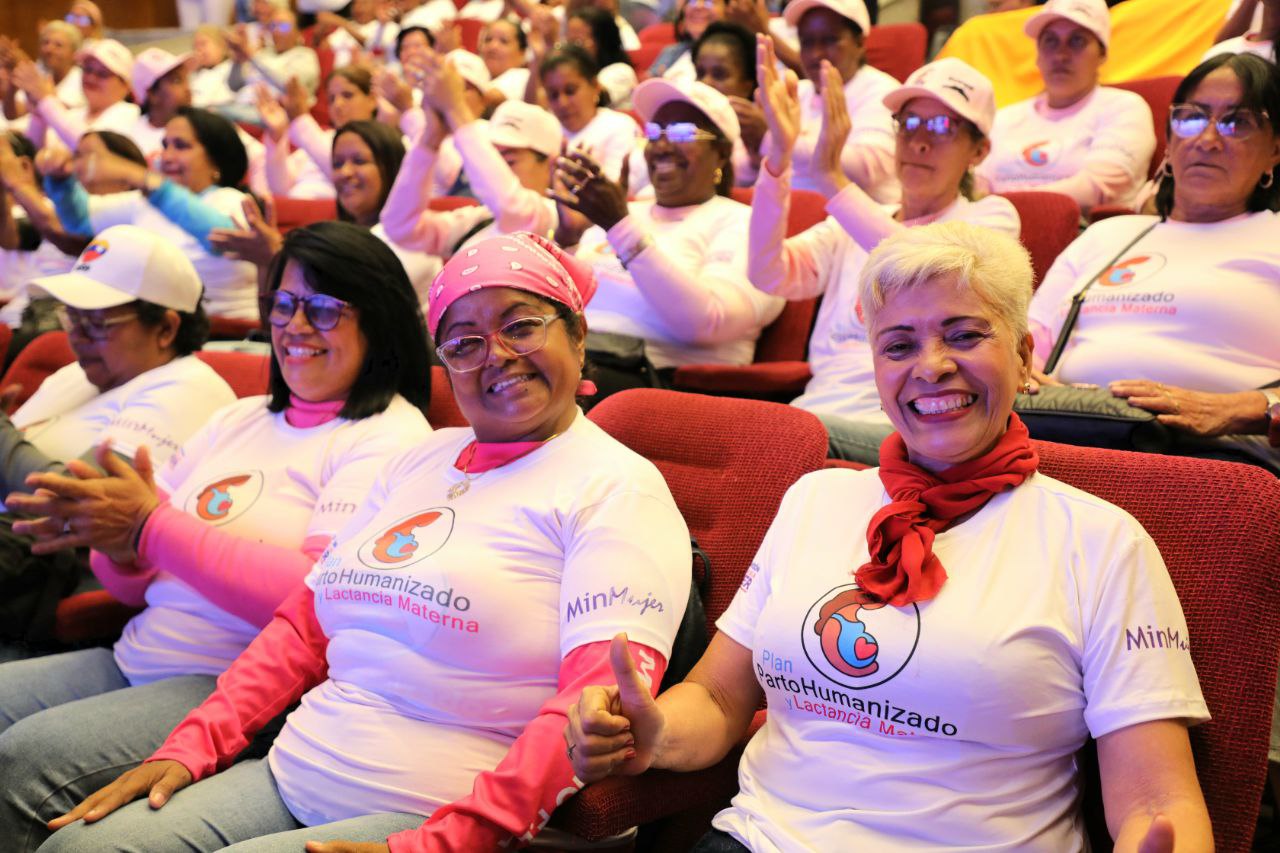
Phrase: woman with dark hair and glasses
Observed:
(673, 271)
(194, 190)
(440, 639)
(942, 114)
(222, 534)
(1180, 319)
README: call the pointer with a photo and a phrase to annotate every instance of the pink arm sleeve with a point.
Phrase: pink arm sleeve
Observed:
(515, 207)
(405, 215)
(245, 578)
(280, 173)
(68, 127)
(518, 797)
(306, 133)
(868, 166)
(286, 660)
(777, 264)
(127, 584)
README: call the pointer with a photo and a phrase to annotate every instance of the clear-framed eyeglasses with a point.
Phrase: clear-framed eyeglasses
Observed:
(521, 336)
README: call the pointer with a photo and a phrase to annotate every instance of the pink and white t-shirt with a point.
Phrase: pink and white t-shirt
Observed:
(447, 619)
(253, 475)
(1097, 150)
(955, 722)
(609, 136)
(868, 152)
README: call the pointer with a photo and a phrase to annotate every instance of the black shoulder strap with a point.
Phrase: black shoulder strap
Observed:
(473, 231)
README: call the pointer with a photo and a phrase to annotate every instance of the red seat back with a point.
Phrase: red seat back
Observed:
(1050, 221)
(442, 409)
(294, 213)
(451, 202)
(38, 359)
(231, 328)
(1158, 93)
(643, 56)
(247, 373)
(715, 455)
(469, 33)
(897, 49)
(661, 33)
(1218, 527)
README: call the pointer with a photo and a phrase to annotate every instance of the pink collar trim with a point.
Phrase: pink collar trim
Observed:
(304, 414)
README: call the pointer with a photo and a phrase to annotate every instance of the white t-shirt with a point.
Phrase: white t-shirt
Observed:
(158, 409)
(704, 241)
(872, 128)
(71, 90)
(255, 476)
(420, 267)
(378, 37)
(119, 117)
(230, 286)
(1190, 305)
(210, 87)
(511, 83)
(955, 722)
(275, 69)
(448, 619)
(1249, 43)
(19, 266)
(148, 137)
(1033, 144)
(431, 15)
(609, 136)
(618, 79)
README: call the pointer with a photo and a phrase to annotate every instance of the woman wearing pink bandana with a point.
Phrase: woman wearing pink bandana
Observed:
(937, 638)
(445, 631)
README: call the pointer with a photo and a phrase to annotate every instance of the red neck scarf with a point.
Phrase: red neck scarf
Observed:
(903, 568)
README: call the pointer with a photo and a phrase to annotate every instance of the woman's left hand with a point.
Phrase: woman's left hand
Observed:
(100, 511)
(586, 189)
(32, 81)
(347, 847)
(826, 168)
(1197, 412)
(105, 166)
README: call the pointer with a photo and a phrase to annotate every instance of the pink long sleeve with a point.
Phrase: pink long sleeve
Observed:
(280, 173)
(61, 120)
(306, 133)
(1099, 182)
(868, 165)
(283, 662)
(407, 217)
(514, 206)
(516, 799)
(126, 583)
(245, 578)
(791, 267)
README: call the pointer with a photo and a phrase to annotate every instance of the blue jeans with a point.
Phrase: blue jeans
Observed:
(855, 441)
(236, 810)
(69, 724)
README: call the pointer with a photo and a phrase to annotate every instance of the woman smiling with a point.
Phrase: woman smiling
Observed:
(956, 618)
(449, 700)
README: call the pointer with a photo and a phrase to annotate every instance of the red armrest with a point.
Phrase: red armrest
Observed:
(90, 617)
(845, 463)
(765, 380)
(1106, 211)
(616, 804)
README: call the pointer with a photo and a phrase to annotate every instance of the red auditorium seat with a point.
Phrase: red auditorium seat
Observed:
(294, 213)
(38, 359)
(897, 49)
(643, 56)
(710, 452)
(451, 202)
(779, 371)
(1158, 93)
(662, 33)
(1050, 221)
(442, 409)
(231, 328)
(469, 32)
(246, 372)
(1215, 523)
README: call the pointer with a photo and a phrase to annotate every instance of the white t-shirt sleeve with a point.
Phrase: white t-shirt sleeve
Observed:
(605, 558)
(160, 415)
(1136, 659)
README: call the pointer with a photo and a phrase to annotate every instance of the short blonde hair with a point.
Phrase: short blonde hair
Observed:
(71, 33)
(993, 265)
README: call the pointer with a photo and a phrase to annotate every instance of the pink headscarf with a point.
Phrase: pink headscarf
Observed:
(522, 260)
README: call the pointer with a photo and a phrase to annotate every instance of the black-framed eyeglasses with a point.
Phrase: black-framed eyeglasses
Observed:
(1187, 121)
(941, 126)
(521, 336)
(321, 310)
(677, 133)
(94, 325)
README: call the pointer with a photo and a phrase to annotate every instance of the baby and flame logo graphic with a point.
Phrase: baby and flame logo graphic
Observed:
(856, 641)
(226, 498)
(1131, 269)
(409, 540)
(1039, 153)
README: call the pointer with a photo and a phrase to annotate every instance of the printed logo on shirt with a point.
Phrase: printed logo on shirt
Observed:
(858, 642)
(1132, 269)
(1039, 153)
(409, 540)
(226, 498)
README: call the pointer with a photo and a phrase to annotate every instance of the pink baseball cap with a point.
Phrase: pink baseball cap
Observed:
(149, 66)
(116, 57)
(652, 94)
(1090, 14)
(854, 10)
(955, 83)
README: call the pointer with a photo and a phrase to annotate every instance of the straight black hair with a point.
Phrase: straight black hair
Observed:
(120, 145)
(580, 60)
(400, 37)
(387, 147)
(221, 143)
(739, 39)
(348, 262)
(604, 32)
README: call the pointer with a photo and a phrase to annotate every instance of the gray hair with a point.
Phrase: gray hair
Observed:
(72, 33)
(993, 265)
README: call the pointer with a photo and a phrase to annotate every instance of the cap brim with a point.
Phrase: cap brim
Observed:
(80, 291)
(651, 95)
(895, 99)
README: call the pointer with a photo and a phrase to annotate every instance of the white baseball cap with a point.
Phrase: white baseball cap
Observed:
(126, 263)
(854, 10)
(149, 66)
(649, 96)
(470, 67)
(1090, 14)
(955, 83)
(116, 57)
(516, 124)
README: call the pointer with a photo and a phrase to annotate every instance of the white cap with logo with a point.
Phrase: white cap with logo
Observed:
(955, 83)
(516, 124)
(1090, 14)
(854, 10)
(653, 93)
(149, 66)
(470, 68)
(114, 56)
(124, 264)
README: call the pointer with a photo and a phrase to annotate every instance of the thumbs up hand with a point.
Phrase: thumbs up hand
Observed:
(615, 729)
